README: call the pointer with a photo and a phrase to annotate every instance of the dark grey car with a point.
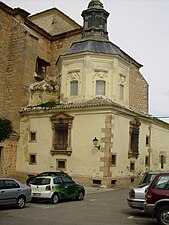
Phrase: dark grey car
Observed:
(13, 192)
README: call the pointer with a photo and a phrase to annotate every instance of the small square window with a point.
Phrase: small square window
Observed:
(61, 164)
(32, 159)
(132, 166)
(33, 136)
(97, 182)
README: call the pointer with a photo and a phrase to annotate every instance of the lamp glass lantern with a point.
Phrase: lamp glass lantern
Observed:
(96, 143)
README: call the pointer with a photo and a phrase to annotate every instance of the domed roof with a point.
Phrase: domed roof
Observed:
(95, 46)
(95, 36)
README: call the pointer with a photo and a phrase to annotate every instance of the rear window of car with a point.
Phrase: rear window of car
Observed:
(41, 181)
(148, 178)
(163, 183)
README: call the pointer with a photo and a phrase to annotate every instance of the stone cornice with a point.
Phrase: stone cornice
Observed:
(98, 103)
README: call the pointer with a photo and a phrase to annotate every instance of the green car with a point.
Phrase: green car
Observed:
(56, 188)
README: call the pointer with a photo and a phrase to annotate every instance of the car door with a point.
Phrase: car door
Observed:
(12, 191)
(70, 188)
(3, 195)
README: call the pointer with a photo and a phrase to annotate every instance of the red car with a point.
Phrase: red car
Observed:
(157, 198)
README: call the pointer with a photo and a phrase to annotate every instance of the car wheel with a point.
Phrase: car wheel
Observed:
(54, 198)
(80, 196)
(20, 202)
(163, 215)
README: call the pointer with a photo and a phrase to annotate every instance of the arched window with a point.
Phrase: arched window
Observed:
(74, 88)
(100, 87)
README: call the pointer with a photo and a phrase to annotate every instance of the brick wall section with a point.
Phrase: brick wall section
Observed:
(138, 90)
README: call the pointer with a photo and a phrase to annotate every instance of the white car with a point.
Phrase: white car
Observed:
(56, 188)
(136, 196)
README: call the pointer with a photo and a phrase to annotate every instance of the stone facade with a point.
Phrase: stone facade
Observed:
(109, 101)
(21, 43)
(111, 164)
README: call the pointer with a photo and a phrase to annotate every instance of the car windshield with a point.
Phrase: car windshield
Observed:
(41, 181)
(148, 178)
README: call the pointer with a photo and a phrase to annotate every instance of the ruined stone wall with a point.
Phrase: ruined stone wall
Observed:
(20, 46)
(11, 67)
(5, 32)
(138, 90)
(8, 153)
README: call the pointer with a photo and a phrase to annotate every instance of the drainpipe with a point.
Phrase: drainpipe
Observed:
(149, 148)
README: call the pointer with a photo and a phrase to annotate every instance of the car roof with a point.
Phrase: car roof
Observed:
(56, 173)
(50, 176)
(163, 173)
(3, 178)
(152, 172)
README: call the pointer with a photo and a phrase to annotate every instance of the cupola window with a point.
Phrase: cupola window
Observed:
(74, 88)
(121, 91)
(100, 87)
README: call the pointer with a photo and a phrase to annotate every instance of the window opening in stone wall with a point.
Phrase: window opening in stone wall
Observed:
(74, 88)
(134, 138)
(61, 133)
(147, 140)
(100, 87)
(162, 161)
(97, 182)
(60, 164)
(146, 160)
(32, 136)
(132, 166)
(113, 160)
(32, 159)
(40, 70)
(113, 182)
(61, 138)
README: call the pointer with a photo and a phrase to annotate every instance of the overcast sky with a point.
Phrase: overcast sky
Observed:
(138, 27)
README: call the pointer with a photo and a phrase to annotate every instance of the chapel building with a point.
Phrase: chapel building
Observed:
(80, 102)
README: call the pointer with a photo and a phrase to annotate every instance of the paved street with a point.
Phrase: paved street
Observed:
(100, 207)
